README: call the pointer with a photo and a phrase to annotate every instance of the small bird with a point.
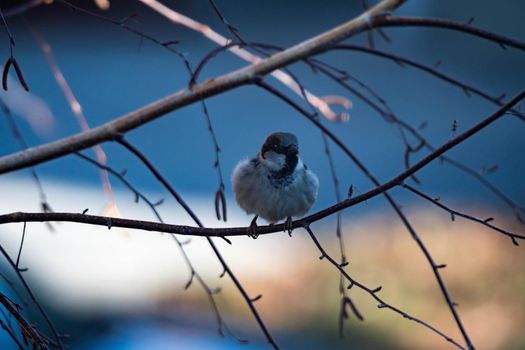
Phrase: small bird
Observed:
(275, 185)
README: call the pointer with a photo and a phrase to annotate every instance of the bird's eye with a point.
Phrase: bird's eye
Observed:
(275, 146)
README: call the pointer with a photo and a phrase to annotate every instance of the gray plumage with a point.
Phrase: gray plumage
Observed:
(275, 185)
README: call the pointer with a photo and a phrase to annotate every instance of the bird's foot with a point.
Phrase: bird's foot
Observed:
(252, 229)
(288, 226)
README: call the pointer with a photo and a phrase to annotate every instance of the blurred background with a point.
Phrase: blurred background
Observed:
(124, 289)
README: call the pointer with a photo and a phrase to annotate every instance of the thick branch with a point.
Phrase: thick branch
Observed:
(196, 93)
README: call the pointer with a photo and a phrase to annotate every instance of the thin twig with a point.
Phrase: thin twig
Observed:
(373, 292)
(11, 334)
(21, 245)
(399, 21)
(123, 24)
(23, 145)
(453, 213)
(231, 28)
(220, 198)
(345, 299)
(430, 70)
(11, 61)
(193, 272)
(50, 325)
(76, 109)
(216, 251)
(121, 178)
(26, 328)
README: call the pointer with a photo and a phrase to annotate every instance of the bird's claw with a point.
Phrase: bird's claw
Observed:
(252, 229)
(288, 226)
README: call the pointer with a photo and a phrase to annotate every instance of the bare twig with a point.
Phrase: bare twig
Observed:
(398, 21)
(21, 246)
(27, 329)
(23, 145)
(19, 295)
(346, 301)
(216, 251)
(50, 325)
(430, 70)
(193, 272)
(453, 213)
(11, 61)
(120, 176)
(11, 333)
(123, 23)
(220, 198)
(374, 292)
(231, 28)
(76, 108)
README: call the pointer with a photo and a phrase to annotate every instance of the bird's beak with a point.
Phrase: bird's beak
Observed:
(292, 150)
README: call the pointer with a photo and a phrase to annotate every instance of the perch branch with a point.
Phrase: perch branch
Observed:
(240, 231)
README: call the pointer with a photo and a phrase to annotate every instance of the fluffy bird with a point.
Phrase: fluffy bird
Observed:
(275, 185)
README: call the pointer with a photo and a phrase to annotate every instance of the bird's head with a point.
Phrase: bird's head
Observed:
(280, 150)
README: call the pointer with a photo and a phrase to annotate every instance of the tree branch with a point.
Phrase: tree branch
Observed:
(398, 21)
(402, 61)
(211, 87)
